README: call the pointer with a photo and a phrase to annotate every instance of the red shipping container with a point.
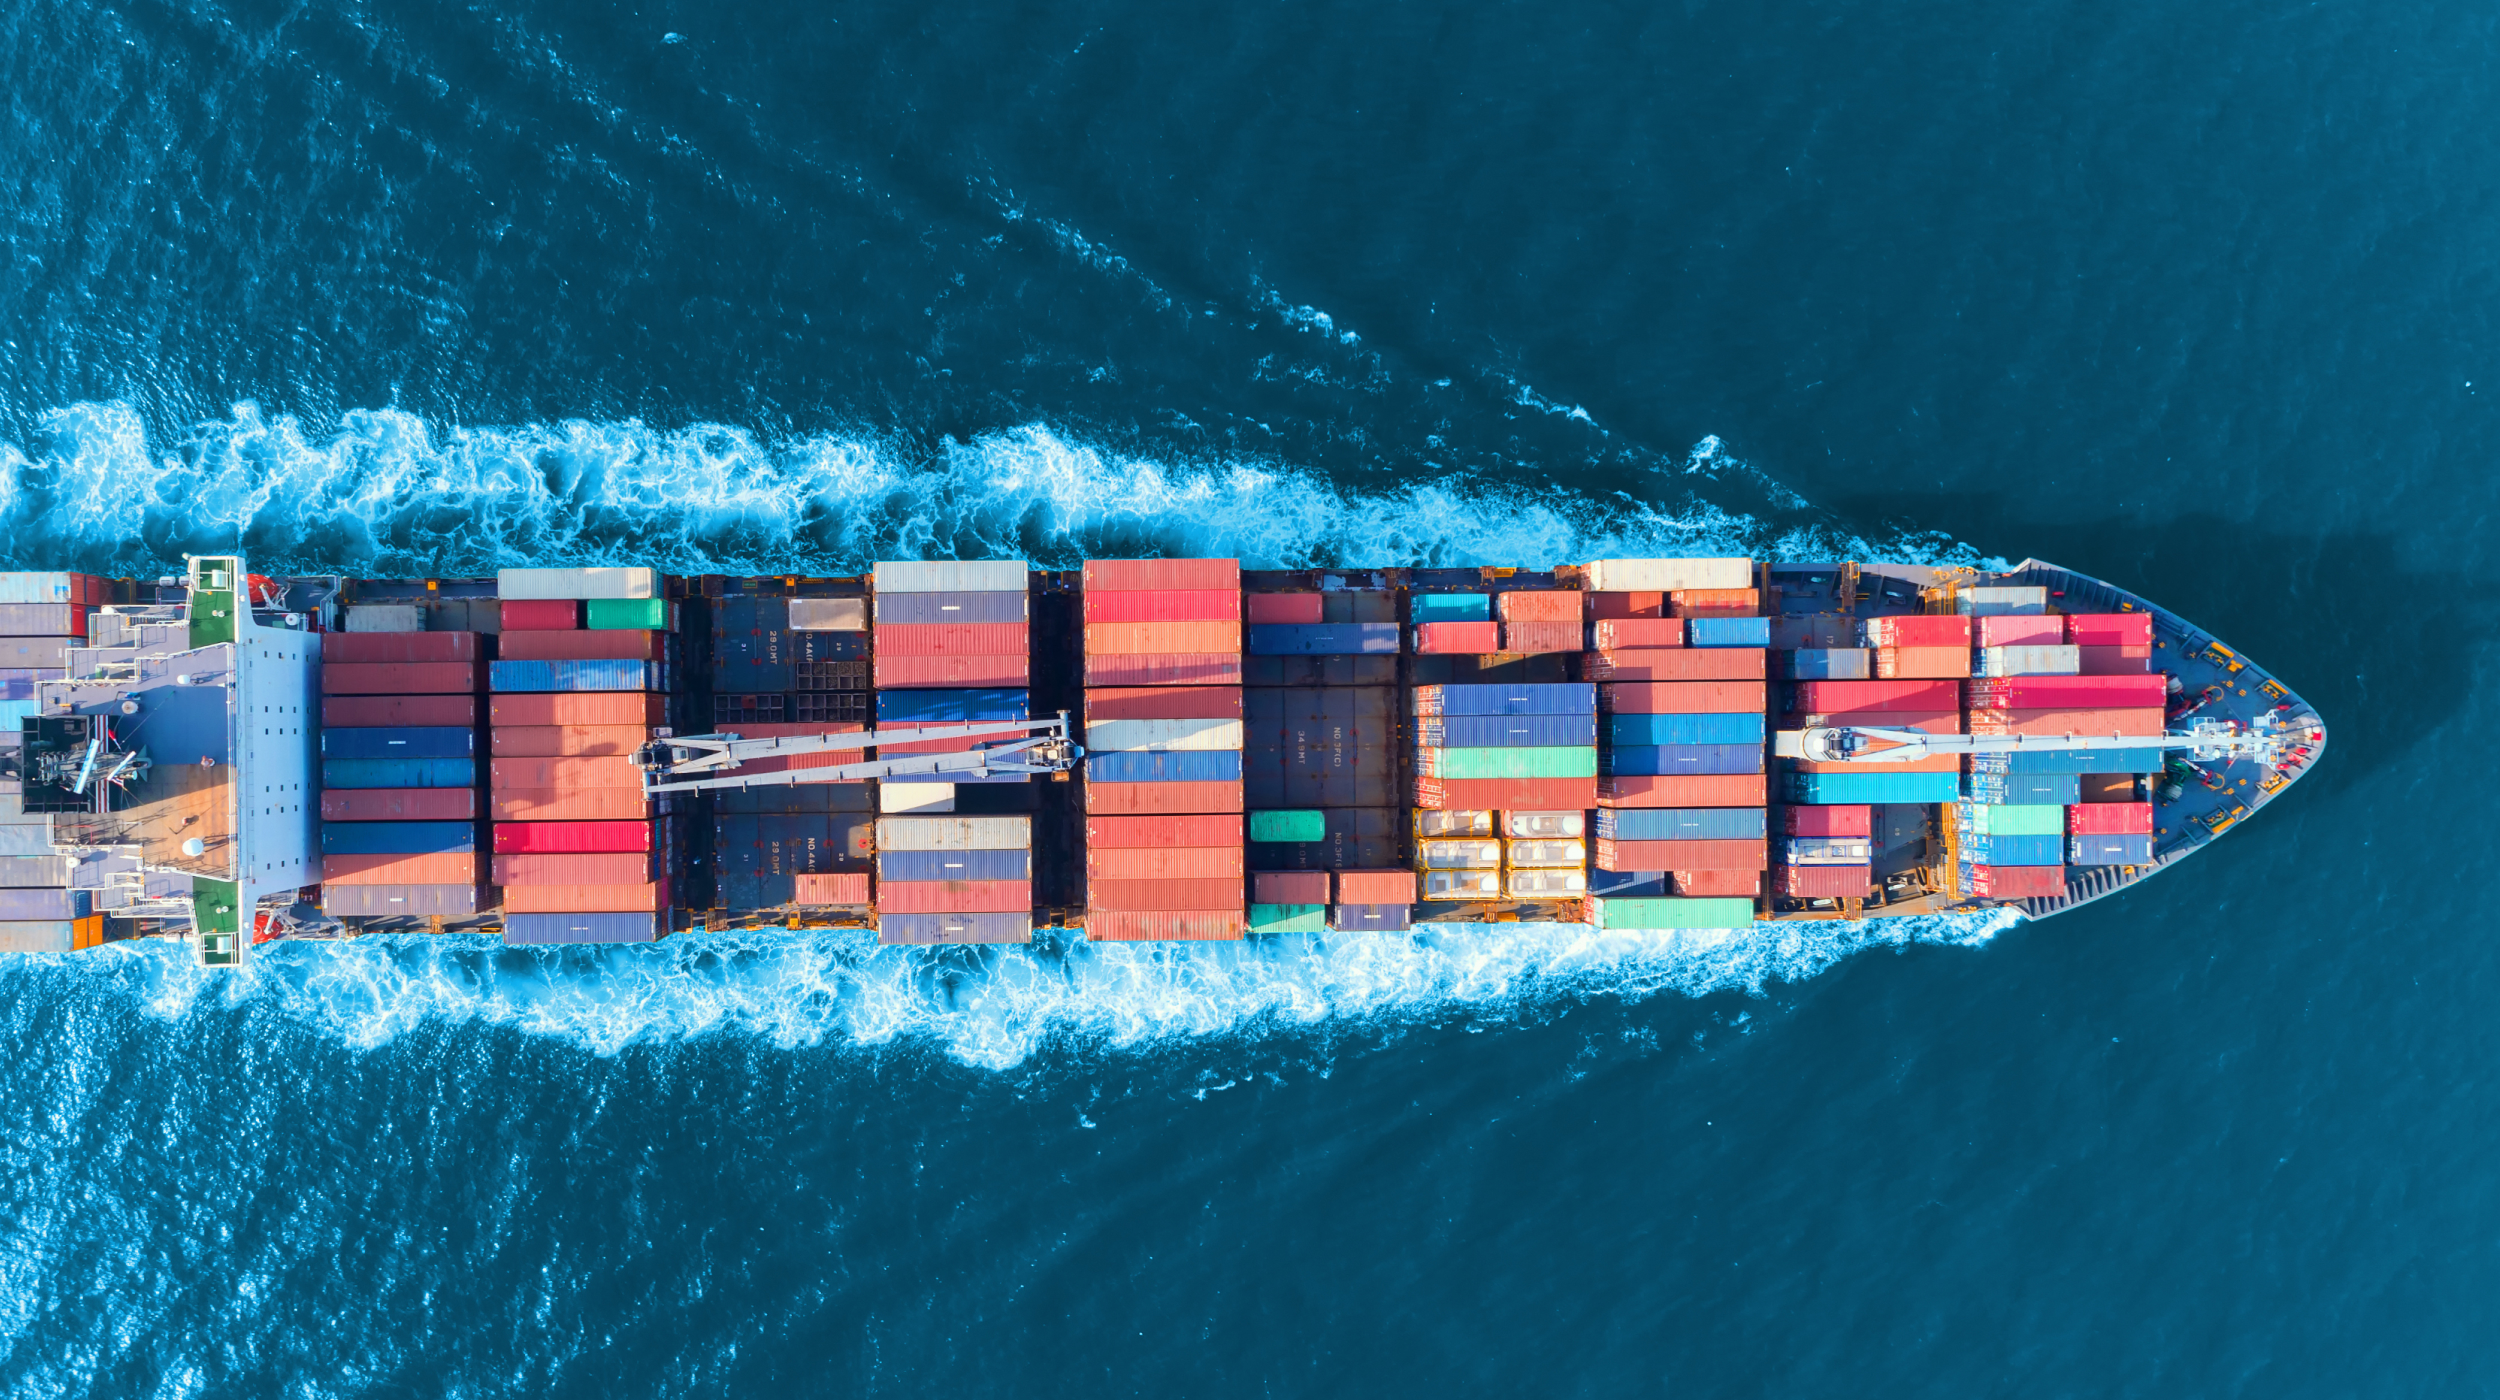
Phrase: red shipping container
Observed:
(2110, 819)
(617, 644)
(1684, 790)
(1164, 863)
(439, 868)
(575, 837)
(1195, 669)
(1637, 633)
(2110, 630)
(1215, 829)
(582, 708)
(567, 773)
(399, 805)
(2109, 787)
(1457, 638)
(1169, 575)
(586, 899)
(2040, 630)
(903, 727)
(541, 614)
(1290, 887)
(1833, 698)
(399, 677)
(1683, 855)
(2113, 661)
(951, 672)
(830, 758)
(1683, 697)
(1827, 881)
(1916, 630)
(1830, 821)
(1157, 605)
(1376, 887)
(567, 741)
(2015, 881)
(1540, 638)
(1526, 606)
(1161, 896)
(1505, 794)
(1160, 799)
(1163, 701)
(550, 868)
(954, 896)
(1195, 926)
(1719, 884)
(387, 647)
(1160, 638)
(399, 711)
(568, 805)
(1715, 602)
(1905, 663)
(1676, 664)
(1282, 607)
(2065, 692)
(835, 888)
(2120, 723)
(952, 639)
(1613, 605)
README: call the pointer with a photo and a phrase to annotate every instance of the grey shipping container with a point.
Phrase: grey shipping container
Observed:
(829, 614)
(952, 576)
(35, 936)
(920, 866)
(581, 928)
(805, 797)
(955, 928)
(531, 584)
(385, 617)
(42, 619)
(1371, 918)
(954, 833)
(1320, 670)
(796, 843)
(46, 904)
(26, 872)
(39, 653)
(899, 609)
(399, 901)
(1816, 631)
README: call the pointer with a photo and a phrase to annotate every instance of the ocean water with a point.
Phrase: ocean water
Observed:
(2199, 299)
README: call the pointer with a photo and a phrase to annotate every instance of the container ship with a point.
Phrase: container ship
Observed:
(1135, 750)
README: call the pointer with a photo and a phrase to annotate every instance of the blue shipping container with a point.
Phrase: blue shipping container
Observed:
(399, 743)
(397, 838)
(2022, 789)
(2109, 850)
(1371, 918)
(1853, 789)
(1451, 607)
(1671, 759)
(1564, 699)
(1680, 824)
(1828, 664)
(1199, 766)
(1635, 730)
(1322, 639)
(1507, 731)
(2074, 761)
(912, 608)
(19, 684)
(924, 706)
(398, 772)
(1727, 631)
(1630, 884)
(581, 928)
(2013, 850)
(910, 867)
(524, 676)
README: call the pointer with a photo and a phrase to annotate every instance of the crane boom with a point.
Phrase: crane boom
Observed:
(709, 762)
(2207, 740)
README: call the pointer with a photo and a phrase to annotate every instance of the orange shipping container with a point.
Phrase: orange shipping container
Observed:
(567, 741)
(1677, 664)
(572, 868)
(1549, 606)
(444, 868)
(586, 899)
(1197, 926)
(578, 708)
(1196, 668)
(569, 805)
(954, 896)
(1540, 638)
(569, 773)
(1921, 663)
(1716, 602)
(1214, 829)
(1685, 790)
(1684, 698)
(1151, 799)
(1722, 884)
(1376, 887)
(1163, 896)
(1606, 605)
(1160, 638)
(1683, 855)
(1637, 633)
(2122, 723)
(1163, 863)
(952, 639)
(842, 888)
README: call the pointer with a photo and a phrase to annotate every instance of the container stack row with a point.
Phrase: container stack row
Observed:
(1164, 733)
(790, 667)
(401, 766)
(42, 616)
(1327, 812)
(952, 645)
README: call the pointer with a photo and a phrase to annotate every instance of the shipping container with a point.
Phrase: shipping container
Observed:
(567, 805)
(2019, 789)
(594, 899)
(954, 833)
(1708, 884)
(2026, 661)
(1853, 789)
(399, 804)
(1827, 881)
(1682, 824)
(1371, 918)
(43, 619)
(386, 648)
(1637, 730)
(1161, 799)
(1562, 699)
(1649, 760)
(38, 653)
(1539, 853)
(47, 586)
(1458, 638)
(1289, 609)
(610, 868)
(1162, 895)
(1715, 602)
(1345, 670)
(622, 614)
(1164, 863)
(2066, 692)
(1816, 632)
(573, 676)
(1376, 886)
(1684, 855)
(1538, 606)
(2013, 881)
(2110, 629)
(1180, 702)
(1544, 826)
(1829, 664)
(1288, 918)
(954, 576)
(1838, 698)
(2090, 818)
(512, 584)
(2105, 761)
(830, 887)
(1684, 697)
(2110, 787)
(580, 646)
(1826, 850)
(1438, 824)
(568, 837)
(1160, 638)
(1502, 794)
(441, 868)
(1180, 669)
(1162, 575)
(2109, 848)
(2113, 661)
(398, 837)
(1753, 632)
(844, 615)
(1423, 608)
(1306, 887)
(1667, 575)
(1997, 601)
(1356, 838)
(956, 896)
(398, 772)
(1320, 747)
(581, 710)
(1187, 766)
(968, 639)
(1619, 604)
(997, 864)
(575, 741)
(399, 678)
(1635, 633)
(2095, 722)
(1916, 631)
(1462, 884)
(402, 901)
(1300, 825)
(1155, 605)
(1544, 884)
(1710, 664)
(578, 773)
(951, 672)
(22, 872)
(1672, 913)
(19, 906)
(1540, 638)
(1829, 821)
(1685, 790)
(1162, 735)
(2017, 631)
(954, 928)
(1458, 853)
(1196, 926)
(1921, 663)
(540, 614)
(425, 742)
(1322, 639)
(1207, 829)
(1988, 849)
(2010, 819)
(1507, 763)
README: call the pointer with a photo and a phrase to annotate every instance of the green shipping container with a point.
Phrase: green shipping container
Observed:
(1288, 918)
(1509, 763)
(1675, 913)
(622, 614)
(1288, 826)
(2024, 819)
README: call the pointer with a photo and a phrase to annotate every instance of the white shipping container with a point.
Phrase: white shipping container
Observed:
(1162, 735)
(2001, 602)
(22, 587)
(1546, 854)
(35, 935)
(2028, 661)
(915, 797)
(1668, 575)
(1546, 884)
(952, 576)
(532, 584)
(1462, 884)
(1459, 855)
(1453, 823)
(954, 833)
(1828, 850)
(385, 617)
(828, 614)
(1546, 824)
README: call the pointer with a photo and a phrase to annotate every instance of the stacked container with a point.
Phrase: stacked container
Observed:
(1452, 624)
(776, 660)
(1164, 737)
(954, 879)
(587, 660)
(1540, 621)
(2111, 644)
(45, 615)
(1919, 646)
(400, 767)
(957, 631)
(805, 844)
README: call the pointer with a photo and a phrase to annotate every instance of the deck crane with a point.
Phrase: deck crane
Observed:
(705, 762)
(2273, 740)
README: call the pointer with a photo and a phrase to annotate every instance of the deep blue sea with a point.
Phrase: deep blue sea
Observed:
(2200, 298)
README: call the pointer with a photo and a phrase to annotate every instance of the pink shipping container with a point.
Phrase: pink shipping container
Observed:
(555, 708)
(2015, 881)
(1208, 668)
(2110, 629)
(1163, 701)
(2121, 723)
(399, 711)
(1905, 663)
(954, 896)
(1946, 630)
(1676, 664)
(602, 868)
(1195, 926)
(442, 868)
(568, 805)
(1540, 638)
(1161, 896)
(1684, 790)
(1874, 697)
(572, 836)
(1164, 863)
(1720, 884)
(1282, 607)
(1715, 602)
(567, 741)
(1376, 887)
(569, 773)
(2109, 819)
(1524, 606)
(952, 639)
(2113, 661)
(2082, 692)
(1290, 887)
(951, 672)
(1171, 575)
(1827, 881)
(2042, 630)
(606, 644)
(399, 804)
(587, 899)
(1160, 638)
(1684, 698)
(399, 678)
(1156, 605)
(849, 887)
(1683, 855)
(541, 614)
(1211, 829)
(1635, 633)
(386, 647)
(1505, 794)
(1160, 799)
(1830, 821)
(1611, 605)
(1457, 638)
